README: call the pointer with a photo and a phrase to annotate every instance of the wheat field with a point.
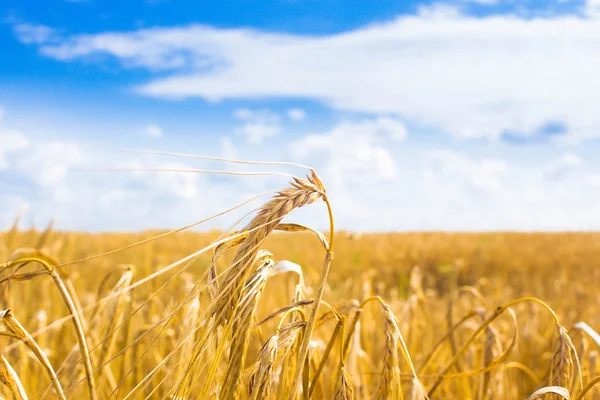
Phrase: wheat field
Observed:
(278, 311)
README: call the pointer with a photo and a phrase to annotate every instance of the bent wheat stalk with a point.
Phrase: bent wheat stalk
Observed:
(19, 332)
(77, 322)
(312, 319)
(9, 378)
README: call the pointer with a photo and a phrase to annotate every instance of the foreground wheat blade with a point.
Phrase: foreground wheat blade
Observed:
(9, 378)
(19, 331)
(543, 392)
(114, 315)
(587, 329)
(109, 314)
(77, 322)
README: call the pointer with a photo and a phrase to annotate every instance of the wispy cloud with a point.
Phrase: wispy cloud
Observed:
(296, 114)
(35, 34)
(257, 125)
(592, 8)
(12, 142)
(483, 2)
(562, 167)
(450, 172)
(353, 151)
(154, 131)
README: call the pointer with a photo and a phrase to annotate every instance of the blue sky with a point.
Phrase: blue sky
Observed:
(456, 115)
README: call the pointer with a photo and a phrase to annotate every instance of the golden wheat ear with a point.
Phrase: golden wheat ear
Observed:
(343, 386)
(390, 386)
(561, 371)
(227, 308)
(260, 380)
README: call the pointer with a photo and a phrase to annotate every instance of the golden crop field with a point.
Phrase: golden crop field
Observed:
(403, 316)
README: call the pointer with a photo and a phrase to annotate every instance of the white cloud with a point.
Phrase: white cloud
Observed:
(592, 8)
(354, 151)
(10, 142)
(416, 188)
(561, 168)
(296, 114)
(243, 114)
(228, 149)
(469, 76)
(49, 162)
(355, 160)
(34, 34)
(257, 125)
(451, 172)
(593, 180)
(183, 185)
(483, 2)
(154, 131)
(53, 179)
(44, 164)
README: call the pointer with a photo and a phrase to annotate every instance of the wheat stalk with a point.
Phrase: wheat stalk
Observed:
(9, 378)
(77, 321)
(19, 331)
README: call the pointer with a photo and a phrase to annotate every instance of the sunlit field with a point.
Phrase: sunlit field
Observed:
(403, 316)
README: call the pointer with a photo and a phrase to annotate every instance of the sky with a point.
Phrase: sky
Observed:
(463, 115)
